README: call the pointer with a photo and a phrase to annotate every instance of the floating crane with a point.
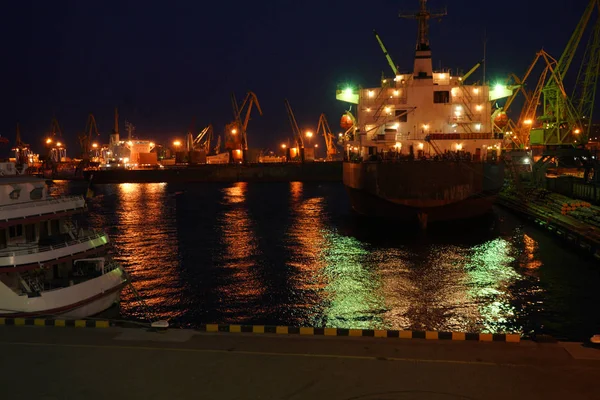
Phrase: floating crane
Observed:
(332, 150)
(237, 132)
(295, 130)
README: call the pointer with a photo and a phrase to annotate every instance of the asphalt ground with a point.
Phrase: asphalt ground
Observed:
(122, 363)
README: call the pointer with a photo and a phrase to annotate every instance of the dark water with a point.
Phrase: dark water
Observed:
(294, 254)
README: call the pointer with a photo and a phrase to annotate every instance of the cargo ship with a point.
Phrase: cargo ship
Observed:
(421, 145)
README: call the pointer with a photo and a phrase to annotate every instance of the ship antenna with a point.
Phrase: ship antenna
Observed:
(484, 52)
(423, 16)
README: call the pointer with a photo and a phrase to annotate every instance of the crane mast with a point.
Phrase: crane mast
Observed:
(295, 130)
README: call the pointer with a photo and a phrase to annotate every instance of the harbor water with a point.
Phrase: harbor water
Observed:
(295, 254)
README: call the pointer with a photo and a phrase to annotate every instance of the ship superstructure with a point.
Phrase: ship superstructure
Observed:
(433, 111)
(422, 144)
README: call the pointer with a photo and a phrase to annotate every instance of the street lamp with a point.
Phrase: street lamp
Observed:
(283, 146)
(309, 135)
(176, 143)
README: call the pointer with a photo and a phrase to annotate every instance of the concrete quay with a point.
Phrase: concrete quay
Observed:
(53, 362)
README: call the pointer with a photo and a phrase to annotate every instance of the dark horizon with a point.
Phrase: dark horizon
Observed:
(164, 66)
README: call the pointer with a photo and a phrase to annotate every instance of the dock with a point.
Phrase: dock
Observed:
(577, 225)
(267, 172)
(178, 363)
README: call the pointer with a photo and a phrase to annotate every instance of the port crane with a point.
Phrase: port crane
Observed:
(566, 120)
(237, 131)
(21, 149)
(295, 130)
(86, 137)
(56, 150)
(323, 125)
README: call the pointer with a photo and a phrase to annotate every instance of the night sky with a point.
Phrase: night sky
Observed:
(164, 63)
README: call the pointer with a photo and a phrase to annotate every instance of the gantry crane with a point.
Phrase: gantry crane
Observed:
(323, 125)
(87, 136)
(295, 130)
(236, 133)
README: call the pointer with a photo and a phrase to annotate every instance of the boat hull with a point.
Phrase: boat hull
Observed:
(77, 301)
(413, 190)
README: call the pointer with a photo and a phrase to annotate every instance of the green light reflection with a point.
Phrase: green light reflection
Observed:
(489, 276)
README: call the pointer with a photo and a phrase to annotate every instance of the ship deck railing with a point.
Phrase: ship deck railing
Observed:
(32, 248)
(40, 203)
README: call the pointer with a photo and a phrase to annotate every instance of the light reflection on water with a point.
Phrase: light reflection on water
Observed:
(294, 254)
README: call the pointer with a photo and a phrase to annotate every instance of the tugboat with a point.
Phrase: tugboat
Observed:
(49, 267)
(421, 146)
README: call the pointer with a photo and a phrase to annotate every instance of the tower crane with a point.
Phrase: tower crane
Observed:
(332, 150)
(295, 130)
(237, 131)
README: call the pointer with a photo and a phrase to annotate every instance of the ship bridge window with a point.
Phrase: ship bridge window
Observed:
(402, 115)
(36, 193)
(441, 96)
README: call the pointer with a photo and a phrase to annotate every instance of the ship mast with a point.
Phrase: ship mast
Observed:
(423, 66)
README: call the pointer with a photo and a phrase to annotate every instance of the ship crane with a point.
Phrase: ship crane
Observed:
(386, 54)
(237, 131)
(202, 141)
(332, 150)
(295, 130)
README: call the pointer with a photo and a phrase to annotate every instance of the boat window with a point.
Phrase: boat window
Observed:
(36, 193)
(2, 238)
(14, 195)
(54, 227)
(441, 96)
(15, 231)
(30, 233)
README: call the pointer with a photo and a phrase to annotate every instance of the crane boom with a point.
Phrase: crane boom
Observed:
(385, 53)
(471, 71)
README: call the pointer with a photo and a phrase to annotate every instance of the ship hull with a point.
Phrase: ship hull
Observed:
(422, 190)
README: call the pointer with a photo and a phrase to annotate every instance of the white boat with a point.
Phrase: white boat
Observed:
(49, 267)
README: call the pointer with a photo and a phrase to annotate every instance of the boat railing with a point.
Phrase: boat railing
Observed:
(41, 249)
(41, 203)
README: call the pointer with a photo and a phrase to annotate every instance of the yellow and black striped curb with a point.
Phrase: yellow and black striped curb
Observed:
(76, 323)
(379, 333)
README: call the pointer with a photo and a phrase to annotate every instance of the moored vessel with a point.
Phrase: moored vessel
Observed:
(49, 266)
(421, 146)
